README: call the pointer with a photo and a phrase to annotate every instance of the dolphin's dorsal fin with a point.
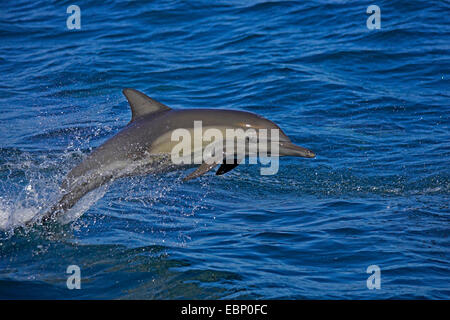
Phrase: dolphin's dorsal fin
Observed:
(141, 104)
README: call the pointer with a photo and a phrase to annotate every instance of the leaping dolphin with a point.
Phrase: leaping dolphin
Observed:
(145, 145)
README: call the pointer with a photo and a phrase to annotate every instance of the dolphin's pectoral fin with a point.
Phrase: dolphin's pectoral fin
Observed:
(141, 104)
(226, 167)
(204, 168)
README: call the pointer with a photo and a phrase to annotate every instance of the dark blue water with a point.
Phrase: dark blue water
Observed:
(373, 104)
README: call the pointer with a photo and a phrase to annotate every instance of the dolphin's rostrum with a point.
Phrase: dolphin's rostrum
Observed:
(145, 145)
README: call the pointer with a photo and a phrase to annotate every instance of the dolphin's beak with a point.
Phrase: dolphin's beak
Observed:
(290, 149)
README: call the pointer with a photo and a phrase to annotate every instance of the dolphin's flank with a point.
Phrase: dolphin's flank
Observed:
(145, 145)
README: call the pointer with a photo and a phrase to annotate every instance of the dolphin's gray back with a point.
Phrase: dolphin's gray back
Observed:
(210, 117)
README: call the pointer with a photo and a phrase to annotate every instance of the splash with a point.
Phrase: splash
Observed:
(21, 204)
(13, 217)
(29, 185)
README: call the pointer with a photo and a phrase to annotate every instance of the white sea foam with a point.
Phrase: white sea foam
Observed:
(13, 217)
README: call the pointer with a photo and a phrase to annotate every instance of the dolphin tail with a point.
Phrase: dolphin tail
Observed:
(66, 202)
(70, 198)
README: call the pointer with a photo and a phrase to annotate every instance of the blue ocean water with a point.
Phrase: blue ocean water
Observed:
(373, 105)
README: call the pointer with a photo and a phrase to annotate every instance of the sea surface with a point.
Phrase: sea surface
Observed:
(374, 105)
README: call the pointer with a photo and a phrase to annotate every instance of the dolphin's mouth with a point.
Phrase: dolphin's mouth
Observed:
(290, 149)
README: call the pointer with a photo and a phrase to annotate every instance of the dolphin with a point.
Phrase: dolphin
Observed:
(144, 146)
